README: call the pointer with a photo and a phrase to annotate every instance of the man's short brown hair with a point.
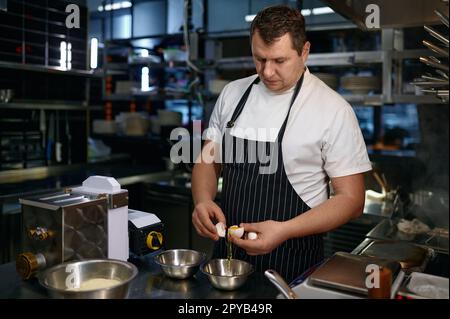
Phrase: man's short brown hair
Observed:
(274, 22)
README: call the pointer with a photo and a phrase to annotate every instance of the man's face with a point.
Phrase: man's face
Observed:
(278, 65)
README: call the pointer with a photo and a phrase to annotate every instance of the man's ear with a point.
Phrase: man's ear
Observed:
(305, 51)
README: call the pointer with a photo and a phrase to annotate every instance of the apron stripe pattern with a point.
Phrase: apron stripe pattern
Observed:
(249, 196)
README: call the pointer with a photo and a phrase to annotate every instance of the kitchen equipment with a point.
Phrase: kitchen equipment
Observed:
(347, 273)
(101, 126)
(438, 85)
(90, 221)
(279, 282)
(227, 274)
(411, 257)
(61, 280)
(360, 84)
(424, 286)
(145, 232)
(132, 123)
(180, 263)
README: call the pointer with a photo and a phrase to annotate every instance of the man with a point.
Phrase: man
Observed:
(313, 137)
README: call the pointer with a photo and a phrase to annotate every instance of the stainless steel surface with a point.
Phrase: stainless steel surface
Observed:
(387, 229)
(149, 284)
(347, 272)
(64, 226)
(282, 285)
(54, 279)
(411, 257)
(180, 263)
(227, 274)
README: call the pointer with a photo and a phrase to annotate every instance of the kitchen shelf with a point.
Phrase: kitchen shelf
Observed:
(146, 97)
(40, 105)
(333, 59)
(48, 69)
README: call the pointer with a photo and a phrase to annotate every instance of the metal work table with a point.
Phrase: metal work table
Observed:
(150, 283)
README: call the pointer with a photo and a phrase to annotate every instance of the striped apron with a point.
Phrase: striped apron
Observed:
(250, 197)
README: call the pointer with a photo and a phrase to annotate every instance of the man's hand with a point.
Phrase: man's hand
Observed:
(203, 216)
(270, 233)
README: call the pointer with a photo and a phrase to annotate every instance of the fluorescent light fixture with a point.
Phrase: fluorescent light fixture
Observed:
(250, 17)
(126, 4)
(63, 54)
(144, 53)
(145, 79)
(115, 6)
(69, 55)
(306, 12)
(322, 10)
(94, 53)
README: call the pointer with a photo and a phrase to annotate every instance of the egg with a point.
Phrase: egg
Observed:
(236, 231)
(252, 236)
(220, 227)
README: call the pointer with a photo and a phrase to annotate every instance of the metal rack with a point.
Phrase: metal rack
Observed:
(389, 59)
(30, 38)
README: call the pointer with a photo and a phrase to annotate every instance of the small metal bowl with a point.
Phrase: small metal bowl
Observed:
(57, 279)
(227, 274)
(180, 263)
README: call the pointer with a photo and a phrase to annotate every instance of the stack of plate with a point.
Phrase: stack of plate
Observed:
(360, 84)
(329, 79)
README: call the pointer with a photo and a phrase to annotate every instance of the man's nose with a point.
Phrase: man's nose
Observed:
(268, 69)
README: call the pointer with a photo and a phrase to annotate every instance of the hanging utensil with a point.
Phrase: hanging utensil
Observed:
(435, 48)
(442, 17)
(432, 78)
(443, 74)
(436, 35)
(433, 64)
(279, 282)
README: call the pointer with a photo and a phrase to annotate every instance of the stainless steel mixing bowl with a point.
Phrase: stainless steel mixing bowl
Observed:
(227, 274)
(55, 278)
(180, 263)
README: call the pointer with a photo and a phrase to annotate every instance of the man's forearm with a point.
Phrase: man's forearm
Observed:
(204, 182)
(333, 213)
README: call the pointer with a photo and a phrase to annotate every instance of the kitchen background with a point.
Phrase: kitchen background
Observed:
(103, 98)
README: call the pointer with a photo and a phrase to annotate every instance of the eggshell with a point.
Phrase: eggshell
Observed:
(252, 236)
(236, 231)
(220, 227)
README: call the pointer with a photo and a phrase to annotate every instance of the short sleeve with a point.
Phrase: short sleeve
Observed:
(344, 151)
(214, 130)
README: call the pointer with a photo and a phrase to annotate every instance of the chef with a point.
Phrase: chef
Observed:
(279, 138)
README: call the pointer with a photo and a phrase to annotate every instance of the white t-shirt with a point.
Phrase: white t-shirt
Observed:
(322, 136)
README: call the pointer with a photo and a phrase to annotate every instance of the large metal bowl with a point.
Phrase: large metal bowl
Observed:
(57, 279)
(180, 263)
(227, 274)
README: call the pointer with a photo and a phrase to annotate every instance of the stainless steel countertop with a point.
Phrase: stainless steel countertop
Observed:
(150, 283)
